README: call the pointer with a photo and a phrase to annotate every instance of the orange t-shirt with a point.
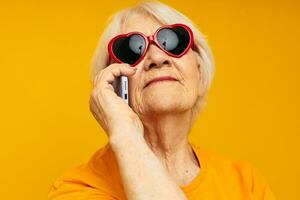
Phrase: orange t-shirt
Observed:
(219, 178)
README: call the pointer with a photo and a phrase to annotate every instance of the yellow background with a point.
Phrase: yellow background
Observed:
(46, 127)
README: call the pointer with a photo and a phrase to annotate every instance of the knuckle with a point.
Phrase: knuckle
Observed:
(97, 78)
(94, 95)
(112, 66)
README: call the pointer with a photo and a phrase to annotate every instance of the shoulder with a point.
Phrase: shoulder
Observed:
(235, 172)
(218, 161)
(97, 177)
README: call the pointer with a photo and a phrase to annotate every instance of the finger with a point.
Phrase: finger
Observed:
(113, 71)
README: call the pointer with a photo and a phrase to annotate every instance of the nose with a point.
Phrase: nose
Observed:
(155, 57)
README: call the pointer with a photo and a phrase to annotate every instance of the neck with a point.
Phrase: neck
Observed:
(167, 136)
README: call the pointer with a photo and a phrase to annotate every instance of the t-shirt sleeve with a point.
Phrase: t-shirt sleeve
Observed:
(76, 190)
(260, 187)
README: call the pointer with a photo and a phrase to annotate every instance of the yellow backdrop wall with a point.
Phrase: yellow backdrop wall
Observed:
(46, 126)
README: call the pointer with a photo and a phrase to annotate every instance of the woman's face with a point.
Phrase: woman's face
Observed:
(164, 96)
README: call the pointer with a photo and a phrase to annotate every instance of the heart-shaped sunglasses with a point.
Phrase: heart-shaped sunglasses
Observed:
(175, 40)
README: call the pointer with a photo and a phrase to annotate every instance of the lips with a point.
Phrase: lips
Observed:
(161, 78)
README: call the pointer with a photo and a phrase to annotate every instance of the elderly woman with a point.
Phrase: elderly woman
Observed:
(149, 156)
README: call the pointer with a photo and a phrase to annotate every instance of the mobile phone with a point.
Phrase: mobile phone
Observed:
(121, 87)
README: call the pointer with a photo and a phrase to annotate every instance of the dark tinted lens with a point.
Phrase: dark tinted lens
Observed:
(174, 40)
(129, 49)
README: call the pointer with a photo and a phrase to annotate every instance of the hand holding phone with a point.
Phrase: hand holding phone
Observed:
(111, 112)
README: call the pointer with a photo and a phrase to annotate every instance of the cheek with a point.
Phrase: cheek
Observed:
(135, 86)
(192, 87)
(191, 75)
(195, 77)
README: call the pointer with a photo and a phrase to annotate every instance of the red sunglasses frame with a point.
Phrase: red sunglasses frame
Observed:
(151, 39)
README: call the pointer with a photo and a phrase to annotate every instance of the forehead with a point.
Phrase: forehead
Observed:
(141, 23)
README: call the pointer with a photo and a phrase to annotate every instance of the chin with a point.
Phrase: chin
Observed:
(166, 98)
(172, 102)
